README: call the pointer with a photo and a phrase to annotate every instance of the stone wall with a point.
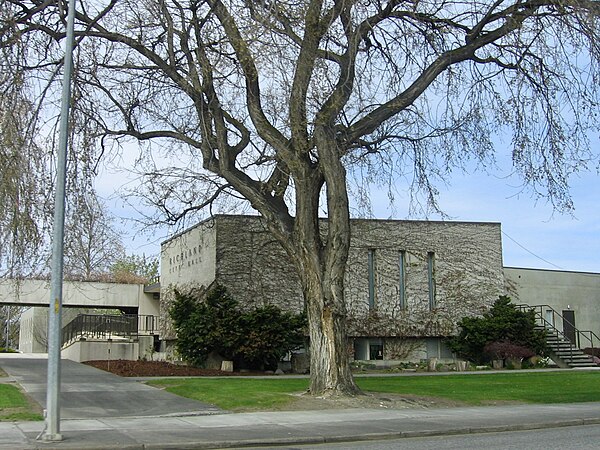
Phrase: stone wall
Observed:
(253, 266)
(467, 275)
(466, 271)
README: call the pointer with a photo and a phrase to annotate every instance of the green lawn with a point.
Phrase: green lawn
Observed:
(14, 405)
(528, 387)
(244, 394)
(236, 394)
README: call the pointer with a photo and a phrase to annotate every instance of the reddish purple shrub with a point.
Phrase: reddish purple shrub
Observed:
(507, 350)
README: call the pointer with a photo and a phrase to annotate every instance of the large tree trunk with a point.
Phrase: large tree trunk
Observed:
(321, 266)
(329, 359)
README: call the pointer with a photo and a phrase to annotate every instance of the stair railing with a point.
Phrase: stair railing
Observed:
(105, 326)
(587, 336)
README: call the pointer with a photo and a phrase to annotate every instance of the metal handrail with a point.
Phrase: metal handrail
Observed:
(104, 326)
(539, 311)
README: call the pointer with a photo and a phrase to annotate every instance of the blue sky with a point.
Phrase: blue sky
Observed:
(534, 235)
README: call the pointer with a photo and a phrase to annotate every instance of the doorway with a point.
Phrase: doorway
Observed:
(569, 325)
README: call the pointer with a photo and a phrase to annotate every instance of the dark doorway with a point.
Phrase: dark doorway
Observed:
(569, 325)
(376, 351)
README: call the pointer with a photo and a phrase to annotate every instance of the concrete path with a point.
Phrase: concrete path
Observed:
(105, 412)
(89, 393)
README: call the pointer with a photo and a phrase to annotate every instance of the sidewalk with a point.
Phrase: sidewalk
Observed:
(293, 428)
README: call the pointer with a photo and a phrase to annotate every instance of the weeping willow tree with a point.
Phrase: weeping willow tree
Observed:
(23, 221)
(26, 186)
(279, 104)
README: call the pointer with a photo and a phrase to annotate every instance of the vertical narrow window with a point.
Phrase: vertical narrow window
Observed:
(402, 280)
(371, 268)
(431, 279)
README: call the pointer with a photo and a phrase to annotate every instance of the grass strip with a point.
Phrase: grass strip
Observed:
(15, 406)
(251, 394)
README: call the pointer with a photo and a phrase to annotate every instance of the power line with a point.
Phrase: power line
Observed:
(531, 253)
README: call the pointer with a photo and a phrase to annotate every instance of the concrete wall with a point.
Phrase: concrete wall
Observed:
(188, 261)
(81, 294)
(189, 256)
(142, 348)
(149, 305)
(33, 328)
(101, 350)
(561, 290)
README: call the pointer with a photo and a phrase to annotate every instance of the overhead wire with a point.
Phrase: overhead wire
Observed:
(532, 253)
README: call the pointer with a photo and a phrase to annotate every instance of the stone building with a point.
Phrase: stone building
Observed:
(407, 282)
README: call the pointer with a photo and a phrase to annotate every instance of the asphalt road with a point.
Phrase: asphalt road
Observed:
(566, 438)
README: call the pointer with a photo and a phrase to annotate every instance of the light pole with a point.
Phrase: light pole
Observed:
(52, 430)
(7, 325)
(8, 319)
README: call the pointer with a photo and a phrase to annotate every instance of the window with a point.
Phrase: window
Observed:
(436, 348)
(371, 268)
(402, 280)
(368, 349)
(361, 349)
(431, 279)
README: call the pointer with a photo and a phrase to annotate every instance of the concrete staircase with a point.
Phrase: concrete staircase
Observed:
(563, 352)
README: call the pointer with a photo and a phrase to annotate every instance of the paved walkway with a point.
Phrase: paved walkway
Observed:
(89, 393)
(181, 430)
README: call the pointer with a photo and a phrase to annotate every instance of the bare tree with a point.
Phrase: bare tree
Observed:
(135, 269)
(92, 244)
(281, 103)
(9, 326)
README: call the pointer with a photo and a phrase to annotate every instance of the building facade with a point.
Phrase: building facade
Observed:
(567, 300)
(407, 283)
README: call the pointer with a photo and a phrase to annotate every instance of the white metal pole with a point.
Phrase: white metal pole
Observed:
(8, 318)
(52, 432)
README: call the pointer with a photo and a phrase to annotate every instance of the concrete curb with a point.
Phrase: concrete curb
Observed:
(316, 440)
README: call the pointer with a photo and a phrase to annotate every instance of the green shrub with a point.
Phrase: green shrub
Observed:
(504, 323)
(255, 339)
(269, 335)
(206, 325)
